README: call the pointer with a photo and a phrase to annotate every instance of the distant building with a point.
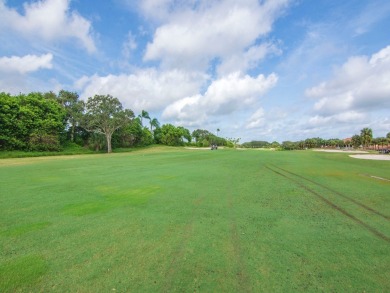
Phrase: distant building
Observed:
(347, 140)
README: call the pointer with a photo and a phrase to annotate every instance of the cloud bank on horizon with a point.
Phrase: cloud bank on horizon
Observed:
(256, 69)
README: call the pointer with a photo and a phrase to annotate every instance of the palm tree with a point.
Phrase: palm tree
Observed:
(375, 142)
(381, 141)
(366, 135)
(218, 130)
(144, 114)
(154, 123)
(388, 138)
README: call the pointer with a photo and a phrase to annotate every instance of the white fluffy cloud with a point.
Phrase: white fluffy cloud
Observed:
(147, 89)
(346, 117)
(201, 31)
(48, 20)
(25, 64)
(152, 90)
(248, 59)
(157, 9)
(257, 119)
(224, 96)
(359, 85)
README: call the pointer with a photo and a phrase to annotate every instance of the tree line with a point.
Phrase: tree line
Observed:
(50, 122)
(363, 140)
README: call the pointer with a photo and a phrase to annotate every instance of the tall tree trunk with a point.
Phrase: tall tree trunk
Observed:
(108, 137)
(72, 133)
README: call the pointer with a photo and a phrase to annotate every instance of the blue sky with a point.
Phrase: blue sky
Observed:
(255, 69)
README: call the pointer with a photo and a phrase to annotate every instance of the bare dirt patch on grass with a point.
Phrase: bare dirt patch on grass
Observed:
(32, 160)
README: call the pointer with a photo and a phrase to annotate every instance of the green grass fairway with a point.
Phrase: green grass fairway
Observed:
(177, 220)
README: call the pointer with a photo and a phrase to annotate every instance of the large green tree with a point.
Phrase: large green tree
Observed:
(74, 110)
(185, 133)
(310, 143)
(173, 136)
(356, 140)
(289, 145)
(201, 134)
(105, 114)
(170, 135)
(133, 134)
(206, 138)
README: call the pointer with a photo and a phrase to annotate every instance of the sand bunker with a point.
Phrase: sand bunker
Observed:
(372, 157)
(358, 154)
(340, 151)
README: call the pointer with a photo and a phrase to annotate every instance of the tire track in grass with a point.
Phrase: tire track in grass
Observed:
(181, 248)
(242, 275)
(337, 193)
(334, 206)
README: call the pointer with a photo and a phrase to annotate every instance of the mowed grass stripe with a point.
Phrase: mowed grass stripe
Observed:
(177, 220)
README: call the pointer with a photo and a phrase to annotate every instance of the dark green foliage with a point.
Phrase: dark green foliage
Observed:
(256, 144)
(132, 134)
(30, 122)
(356, 140)
(170, 135)
(157, 134)
(47, 122)
(124, 137)
(185, 133)
(147, 137)
(201, 134)
(97, 141)
(10, 135)
(289, 145)
(42, 141)
(154, 123)
(74, 111)
(174, 136)
(205, 138)
(315, 142)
